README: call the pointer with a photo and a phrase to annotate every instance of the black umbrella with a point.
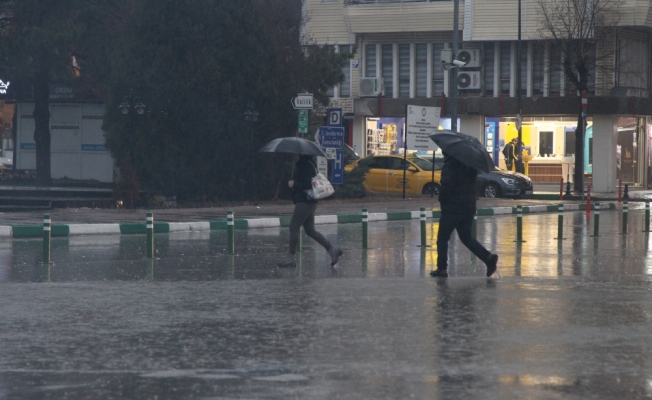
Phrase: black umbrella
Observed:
(294, 145)
(464, 148)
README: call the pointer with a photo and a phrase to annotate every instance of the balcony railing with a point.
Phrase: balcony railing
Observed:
(351, 2)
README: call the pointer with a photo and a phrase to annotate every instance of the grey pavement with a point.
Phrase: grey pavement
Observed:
(570, 318)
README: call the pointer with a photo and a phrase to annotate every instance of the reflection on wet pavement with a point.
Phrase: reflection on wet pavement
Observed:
(570, 318)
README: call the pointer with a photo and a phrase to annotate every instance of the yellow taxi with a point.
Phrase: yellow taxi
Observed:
(386, 174)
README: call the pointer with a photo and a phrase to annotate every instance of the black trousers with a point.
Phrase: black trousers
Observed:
(304, 214)
(463, 223)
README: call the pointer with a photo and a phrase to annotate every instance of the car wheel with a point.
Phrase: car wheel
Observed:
(431, 188)
(491, 190)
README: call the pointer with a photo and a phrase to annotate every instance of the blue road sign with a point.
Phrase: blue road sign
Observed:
(338, 168)
(331, 136)
(334, 117)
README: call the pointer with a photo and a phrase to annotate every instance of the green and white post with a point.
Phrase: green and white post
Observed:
(625, 209)
(560, 222)
(596, 220)
(422, 218)
(519, 224)
(230, 233)
(149, 228)
(365, 228)
(47, 235)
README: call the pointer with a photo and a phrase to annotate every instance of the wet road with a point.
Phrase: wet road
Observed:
(569, 320)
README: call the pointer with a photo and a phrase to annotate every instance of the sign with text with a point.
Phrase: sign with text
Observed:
(331, 137)
(322, 165)
(338, 168)
(303, 121)
(303, 101)
(334, 117)
(420, 122)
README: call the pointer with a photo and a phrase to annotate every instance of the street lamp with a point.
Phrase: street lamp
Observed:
(250, 117)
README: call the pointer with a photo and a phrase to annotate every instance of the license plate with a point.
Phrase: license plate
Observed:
(529, 191)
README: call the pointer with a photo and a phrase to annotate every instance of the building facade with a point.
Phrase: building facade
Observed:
(399, 45)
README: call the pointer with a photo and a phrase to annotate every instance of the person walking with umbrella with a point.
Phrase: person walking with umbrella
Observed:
(463, 156)
(304, 208)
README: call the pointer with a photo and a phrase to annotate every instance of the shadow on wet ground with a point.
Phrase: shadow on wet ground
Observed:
(569, 320)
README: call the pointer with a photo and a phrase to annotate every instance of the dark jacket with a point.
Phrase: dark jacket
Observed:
(304, 171)
(457, 193)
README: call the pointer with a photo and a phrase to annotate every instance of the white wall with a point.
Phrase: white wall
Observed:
(605, 139)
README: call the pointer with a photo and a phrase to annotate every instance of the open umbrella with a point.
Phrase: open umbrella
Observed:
(464, 148)
(294, 145)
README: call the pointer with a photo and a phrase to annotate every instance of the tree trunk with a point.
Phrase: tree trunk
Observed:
(42, 126)
(578, 176)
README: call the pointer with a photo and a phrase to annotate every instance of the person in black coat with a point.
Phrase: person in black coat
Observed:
(304, 212)
(457, 199)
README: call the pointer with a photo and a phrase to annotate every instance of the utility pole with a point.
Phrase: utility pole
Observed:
(453, 85)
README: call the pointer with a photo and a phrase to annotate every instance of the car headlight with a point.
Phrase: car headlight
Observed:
(508, 181)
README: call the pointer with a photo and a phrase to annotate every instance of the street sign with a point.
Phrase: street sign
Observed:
(519, 121)
(338, 168)
(585, 100)
(331, 136)
(322, 165)
(303, 101)
(334, 117)
(421, 122)
(303, 121)
(331, 153)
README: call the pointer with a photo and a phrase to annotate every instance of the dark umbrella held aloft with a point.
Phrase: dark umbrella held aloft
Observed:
(464, 148)
(294, 145)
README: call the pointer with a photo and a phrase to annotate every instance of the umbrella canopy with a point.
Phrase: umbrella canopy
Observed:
(294, 145)
(464, 148)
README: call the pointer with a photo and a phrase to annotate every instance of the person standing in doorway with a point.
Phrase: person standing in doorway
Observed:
(509, 151)
(457, 199)
(304, 212)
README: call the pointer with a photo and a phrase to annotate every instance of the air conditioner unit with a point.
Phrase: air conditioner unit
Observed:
(371, 87)
(468, 80)
(472, 57)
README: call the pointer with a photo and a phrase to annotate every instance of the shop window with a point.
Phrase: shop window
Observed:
(370, 60)
(545, 144)
(404, 70)
(488, 64)
(569, 143)
(555, 73)
(345, 86)
(438, 71)
(421, 61)
(388, 69)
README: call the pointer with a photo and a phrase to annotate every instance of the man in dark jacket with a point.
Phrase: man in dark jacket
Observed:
(509, 151)
(457, 199)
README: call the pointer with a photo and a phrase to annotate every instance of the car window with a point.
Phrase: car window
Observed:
(375, 162)
(422, 163)
(395, 163)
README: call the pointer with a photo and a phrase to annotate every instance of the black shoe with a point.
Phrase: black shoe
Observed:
(492, 264)
(439, 273)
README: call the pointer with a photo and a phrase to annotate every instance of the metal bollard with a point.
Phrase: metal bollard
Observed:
(626, 192)
(230, 232)
(149, 228)
(647, 215)
(596, 223)
(422, 217)
(624, 232)
(560, 222)
(568, 189)
(519, 223)
(365, 228)
(47, 235)
(620, 190)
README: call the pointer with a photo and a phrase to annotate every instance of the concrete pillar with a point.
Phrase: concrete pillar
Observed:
(359, 135)
(605, 139)
(472, 125)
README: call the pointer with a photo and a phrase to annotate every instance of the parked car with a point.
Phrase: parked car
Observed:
(386, 175)
(497, 183)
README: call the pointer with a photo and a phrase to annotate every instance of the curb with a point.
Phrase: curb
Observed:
(36, 231)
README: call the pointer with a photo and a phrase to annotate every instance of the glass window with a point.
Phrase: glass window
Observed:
(404, 70)
(505, 72)
(422, 163)
(370, 60)
(421, 61)
(537, 69)
(555, 74)
(523, 65)
(388, 69)
(345, 86)
(545, 144)
(437, 70)
(570, 143)
(489, 68)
